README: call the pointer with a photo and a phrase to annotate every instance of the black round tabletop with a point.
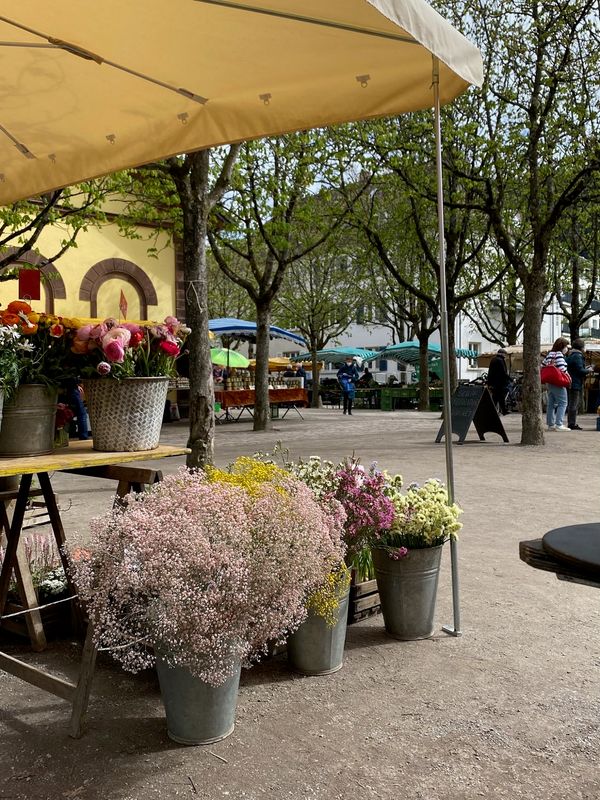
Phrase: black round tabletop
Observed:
(575, 544)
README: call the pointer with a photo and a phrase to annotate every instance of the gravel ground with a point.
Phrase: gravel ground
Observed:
(508, 710)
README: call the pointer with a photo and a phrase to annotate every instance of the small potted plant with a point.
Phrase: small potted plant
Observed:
(129, 366)
(407, 556)
(199, 575)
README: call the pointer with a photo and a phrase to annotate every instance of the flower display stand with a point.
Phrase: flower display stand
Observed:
(58, 621)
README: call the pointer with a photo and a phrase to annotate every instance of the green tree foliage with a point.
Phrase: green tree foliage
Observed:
(70, 210)
(280, 211)
(321, 296)
(534, 126)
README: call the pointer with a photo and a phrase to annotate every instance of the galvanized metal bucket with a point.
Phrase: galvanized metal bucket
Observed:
(28, 421)
(197, 713)
(316, 648)
(408, 591)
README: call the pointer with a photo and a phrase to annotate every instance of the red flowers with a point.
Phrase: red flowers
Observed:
(136, 338)
(56, 331)
(170, 348)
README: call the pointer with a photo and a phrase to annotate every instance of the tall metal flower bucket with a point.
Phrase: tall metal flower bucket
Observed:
(197, 713)
(408, 591)
(28, 421)
(127, 414)
(317, 648)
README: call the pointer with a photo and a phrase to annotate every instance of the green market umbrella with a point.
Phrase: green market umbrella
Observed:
(223, 357)
(339, 354)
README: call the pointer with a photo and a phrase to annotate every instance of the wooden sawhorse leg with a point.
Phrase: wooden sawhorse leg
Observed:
(76, 693)
(23, 578)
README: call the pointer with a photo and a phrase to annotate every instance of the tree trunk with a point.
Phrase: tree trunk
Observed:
(575, 315)
(262, 411)
(452, 350)
(202, 418)
(532, 431)
(316, 397)
(423, 372)
(512, 325)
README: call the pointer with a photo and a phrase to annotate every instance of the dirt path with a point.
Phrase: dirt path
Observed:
(509, 710)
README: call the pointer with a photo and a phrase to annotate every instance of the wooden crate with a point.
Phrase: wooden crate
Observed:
(36, 514)
(57, 620)
(364, 601)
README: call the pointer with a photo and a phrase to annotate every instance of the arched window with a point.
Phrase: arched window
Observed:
(127, 271)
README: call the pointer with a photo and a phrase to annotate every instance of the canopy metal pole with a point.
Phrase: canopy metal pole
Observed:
(453, 630)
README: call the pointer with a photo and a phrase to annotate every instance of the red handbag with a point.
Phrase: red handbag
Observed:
(554, 376)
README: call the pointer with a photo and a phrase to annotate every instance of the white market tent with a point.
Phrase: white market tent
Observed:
(89, 88)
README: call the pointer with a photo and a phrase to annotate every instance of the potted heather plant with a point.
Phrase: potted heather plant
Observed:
(407, 556)
(199, 575)
(128, 366)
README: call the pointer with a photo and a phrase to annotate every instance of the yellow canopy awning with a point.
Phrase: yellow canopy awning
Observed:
(91, 87)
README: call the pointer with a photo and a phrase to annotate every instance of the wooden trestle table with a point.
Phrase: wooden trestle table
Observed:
(81, 459)
(245, 399)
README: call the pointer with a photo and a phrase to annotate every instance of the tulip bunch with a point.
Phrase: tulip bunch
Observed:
(127, 350)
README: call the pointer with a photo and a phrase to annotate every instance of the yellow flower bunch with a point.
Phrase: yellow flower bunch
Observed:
(325, 601)
(250, 475)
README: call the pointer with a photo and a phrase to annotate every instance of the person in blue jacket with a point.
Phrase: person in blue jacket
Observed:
(347, 376)
(577, 371)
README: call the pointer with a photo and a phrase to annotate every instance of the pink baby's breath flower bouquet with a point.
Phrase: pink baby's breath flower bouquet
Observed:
(200, 574)
(129, 366)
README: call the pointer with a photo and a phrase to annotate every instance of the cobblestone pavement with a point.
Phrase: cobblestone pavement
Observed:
(509, 710)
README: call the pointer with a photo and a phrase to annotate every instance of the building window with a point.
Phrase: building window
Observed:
(476, 347)
(383, 365)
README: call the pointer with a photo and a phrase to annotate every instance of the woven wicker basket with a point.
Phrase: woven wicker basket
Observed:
(126, 414)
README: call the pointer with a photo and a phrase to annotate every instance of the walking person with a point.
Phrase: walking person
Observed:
(557, 395)
(498, 380)
(347, 376)
(577, 371)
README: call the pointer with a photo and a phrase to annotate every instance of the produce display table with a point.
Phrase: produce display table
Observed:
(394, 397)
(368, 398)
(245, 399)
(81, 459)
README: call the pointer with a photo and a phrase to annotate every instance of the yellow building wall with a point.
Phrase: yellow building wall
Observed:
(96, 245)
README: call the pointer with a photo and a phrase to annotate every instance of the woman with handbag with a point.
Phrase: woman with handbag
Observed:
(556, 377)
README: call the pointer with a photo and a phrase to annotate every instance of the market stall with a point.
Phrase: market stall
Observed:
(234, 402)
